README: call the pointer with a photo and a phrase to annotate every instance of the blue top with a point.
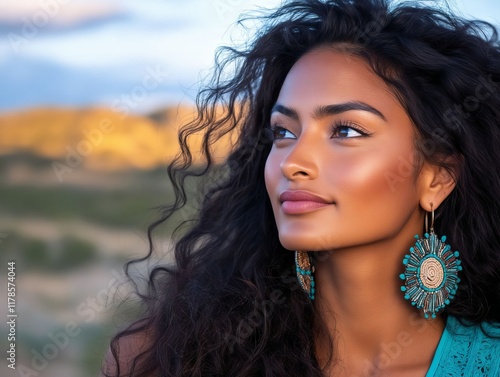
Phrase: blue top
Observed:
(467, 351)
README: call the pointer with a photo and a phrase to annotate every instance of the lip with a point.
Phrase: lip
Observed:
(299, 201)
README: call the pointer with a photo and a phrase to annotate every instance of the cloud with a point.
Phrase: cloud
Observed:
(38, 83)
(55, 14)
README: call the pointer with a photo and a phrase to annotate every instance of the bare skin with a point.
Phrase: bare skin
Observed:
(341, 134)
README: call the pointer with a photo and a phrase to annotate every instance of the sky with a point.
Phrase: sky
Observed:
(140, 54)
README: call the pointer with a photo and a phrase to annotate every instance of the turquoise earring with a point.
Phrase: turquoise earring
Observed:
(431, 274)
(305, 272)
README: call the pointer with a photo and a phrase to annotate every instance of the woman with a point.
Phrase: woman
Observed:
(360, 124)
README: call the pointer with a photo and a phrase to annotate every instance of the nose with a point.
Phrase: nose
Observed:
(299, 163)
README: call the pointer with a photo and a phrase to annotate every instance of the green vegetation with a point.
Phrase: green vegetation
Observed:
(65, 255)
(116, 208)
(130, 200)
(40, 222)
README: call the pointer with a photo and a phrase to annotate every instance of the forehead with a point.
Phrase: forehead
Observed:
(326, 76)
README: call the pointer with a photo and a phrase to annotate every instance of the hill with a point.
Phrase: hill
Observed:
(96, 138)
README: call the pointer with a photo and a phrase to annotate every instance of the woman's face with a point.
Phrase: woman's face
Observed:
(341, 135)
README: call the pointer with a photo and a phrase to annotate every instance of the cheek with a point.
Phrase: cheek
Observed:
(362, 176)
(271, 174)
(376, 181)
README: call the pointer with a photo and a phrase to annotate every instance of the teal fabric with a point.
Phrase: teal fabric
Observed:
(467, 351)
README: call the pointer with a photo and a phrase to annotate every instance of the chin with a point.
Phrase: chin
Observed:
(301, 242)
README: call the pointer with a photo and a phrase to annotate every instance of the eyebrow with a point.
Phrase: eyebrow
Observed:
(328, 110)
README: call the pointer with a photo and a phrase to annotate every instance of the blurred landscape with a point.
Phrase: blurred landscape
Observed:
(89, 115)
(79, 188)
(93, 94)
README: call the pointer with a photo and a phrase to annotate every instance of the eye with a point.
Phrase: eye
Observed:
(347, 130)
(279, 133)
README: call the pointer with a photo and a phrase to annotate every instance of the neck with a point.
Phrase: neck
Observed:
(359, 298)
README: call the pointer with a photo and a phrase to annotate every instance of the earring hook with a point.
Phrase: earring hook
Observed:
(427, 220)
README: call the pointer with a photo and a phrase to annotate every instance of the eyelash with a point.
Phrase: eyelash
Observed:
(335, 129)
(341, 123)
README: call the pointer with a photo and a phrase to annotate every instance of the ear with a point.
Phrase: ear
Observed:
(435, 184)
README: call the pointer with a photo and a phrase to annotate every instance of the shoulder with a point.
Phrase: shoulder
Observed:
(121, 357)
(470, 349)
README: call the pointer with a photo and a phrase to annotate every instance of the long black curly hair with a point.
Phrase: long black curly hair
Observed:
(230, 305)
